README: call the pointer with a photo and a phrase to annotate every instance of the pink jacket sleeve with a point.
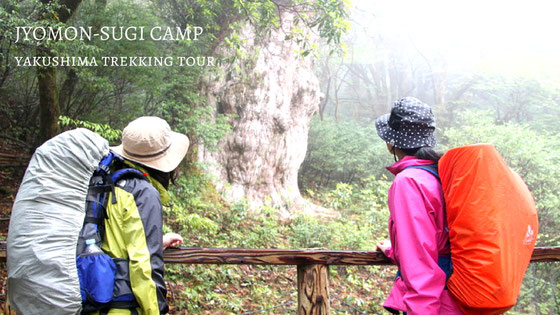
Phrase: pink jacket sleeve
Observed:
(389, 254)
(414, 246)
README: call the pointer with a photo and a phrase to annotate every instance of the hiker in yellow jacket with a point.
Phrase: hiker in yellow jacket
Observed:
(133, 227)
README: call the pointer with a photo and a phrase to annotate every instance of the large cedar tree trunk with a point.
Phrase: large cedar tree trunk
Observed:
(271, 104)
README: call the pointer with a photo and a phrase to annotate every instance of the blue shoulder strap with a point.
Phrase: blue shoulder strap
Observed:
(122, 173)
(98, 194)
(105, 163)
(431, 168)
(127, 172)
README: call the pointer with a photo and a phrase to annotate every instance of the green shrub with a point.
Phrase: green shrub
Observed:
(341, 152)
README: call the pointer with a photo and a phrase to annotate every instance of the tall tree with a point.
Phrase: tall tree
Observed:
(48, 90)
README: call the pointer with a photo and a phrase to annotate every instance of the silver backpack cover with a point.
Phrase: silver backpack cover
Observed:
(46, 218)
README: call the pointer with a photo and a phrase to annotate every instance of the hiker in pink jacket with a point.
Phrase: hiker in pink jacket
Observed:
(419, 243)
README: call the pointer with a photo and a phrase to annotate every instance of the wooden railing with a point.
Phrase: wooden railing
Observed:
(312, 266)
(229, 256)
(13, 160)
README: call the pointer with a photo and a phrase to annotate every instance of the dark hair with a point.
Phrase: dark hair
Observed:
(424, 153)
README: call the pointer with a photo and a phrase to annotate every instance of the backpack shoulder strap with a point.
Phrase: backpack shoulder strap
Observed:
(122, 174)
(127, 173)
(431, 168)
(101, 185)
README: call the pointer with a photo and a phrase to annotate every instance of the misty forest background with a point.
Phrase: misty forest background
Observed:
(363, 62)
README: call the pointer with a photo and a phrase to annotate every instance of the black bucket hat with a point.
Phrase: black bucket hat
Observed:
(411, 124)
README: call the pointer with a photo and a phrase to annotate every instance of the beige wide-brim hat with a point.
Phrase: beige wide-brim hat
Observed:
(150, 141)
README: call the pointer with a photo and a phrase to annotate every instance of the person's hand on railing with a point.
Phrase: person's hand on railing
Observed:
(383, 246)
(171, 240)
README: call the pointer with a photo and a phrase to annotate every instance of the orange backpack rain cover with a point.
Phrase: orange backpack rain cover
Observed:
(493, 228)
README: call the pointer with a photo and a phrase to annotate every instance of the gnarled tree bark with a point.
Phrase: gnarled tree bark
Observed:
(270, 112)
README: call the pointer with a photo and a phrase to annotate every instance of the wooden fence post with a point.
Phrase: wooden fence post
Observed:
(313, 290)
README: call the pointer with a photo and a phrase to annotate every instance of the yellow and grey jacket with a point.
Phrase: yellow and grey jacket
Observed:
(133, 232)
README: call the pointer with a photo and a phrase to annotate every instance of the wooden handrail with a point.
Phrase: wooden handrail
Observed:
(240, 256)
(235, 256)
